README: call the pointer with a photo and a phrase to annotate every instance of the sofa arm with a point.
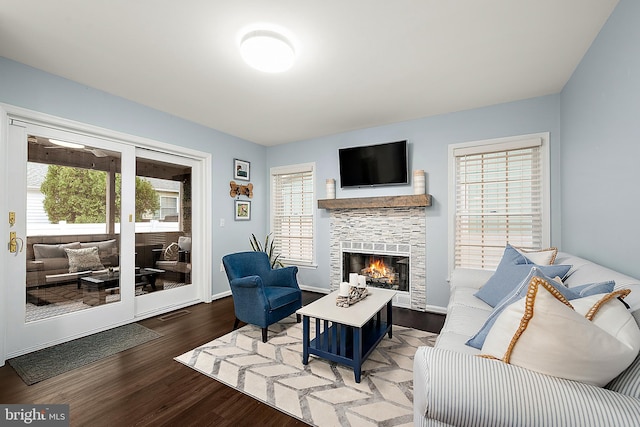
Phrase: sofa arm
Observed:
(470, 277)
(465, 390)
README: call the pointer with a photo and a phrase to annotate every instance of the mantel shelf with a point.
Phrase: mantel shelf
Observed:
(418, 200)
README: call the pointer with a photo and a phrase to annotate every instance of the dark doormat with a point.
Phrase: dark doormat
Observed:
(58, 359)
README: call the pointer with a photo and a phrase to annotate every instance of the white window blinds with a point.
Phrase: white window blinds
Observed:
(498, 201)
(292, 213)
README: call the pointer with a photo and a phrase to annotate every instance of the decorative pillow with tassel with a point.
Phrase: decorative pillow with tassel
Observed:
(591, 339)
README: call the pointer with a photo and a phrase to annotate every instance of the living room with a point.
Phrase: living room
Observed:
(591, 120)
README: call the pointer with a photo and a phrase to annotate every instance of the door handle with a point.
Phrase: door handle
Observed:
(13, 242)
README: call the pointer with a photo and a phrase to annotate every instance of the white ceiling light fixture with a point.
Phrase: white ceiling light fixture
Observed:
(65, 143)
(267, 51)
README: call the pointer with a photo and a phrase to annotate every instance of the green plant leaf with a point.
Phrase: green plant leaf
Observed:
(268, 248)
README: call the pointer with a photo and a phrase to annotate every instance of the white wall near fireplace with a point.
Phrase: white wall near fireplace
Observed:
(379, 229)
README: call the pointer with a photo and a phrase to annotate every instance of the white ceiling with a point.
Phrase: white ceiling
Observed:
(361, 63)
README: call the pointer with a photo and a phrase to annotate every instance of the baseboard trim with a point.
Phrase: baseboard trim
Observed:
(435, 309)
(221, 295)
(315, 289)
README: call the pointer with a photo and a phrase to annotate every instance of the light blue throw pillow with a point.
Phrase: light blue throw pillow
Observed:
(513, 268)
(593, 288)
(520, 291)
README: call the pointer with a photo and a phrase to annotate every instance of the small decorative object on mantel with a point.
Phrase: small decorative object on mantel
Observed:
(353, 291)
(331, 188)
(419, 182)
(240, 190)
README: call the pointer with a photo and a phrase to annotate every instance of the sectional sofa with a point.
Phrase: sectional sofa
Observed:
(50, 263)
(453, 385)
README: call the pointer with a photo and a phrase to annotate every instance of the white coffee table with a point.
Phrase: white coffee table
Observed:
(347, 335)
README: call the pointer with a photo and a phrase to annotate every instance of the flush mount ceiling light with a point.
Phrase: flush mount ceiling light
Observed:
(65, 143)
(267, 51)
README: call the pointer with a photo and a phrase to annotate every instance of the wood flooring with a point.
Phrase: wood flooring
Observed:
(144, 386)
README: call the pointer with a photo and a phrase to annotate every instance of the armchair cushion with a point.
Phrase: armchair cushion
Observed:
(184, 242)
(280, 296)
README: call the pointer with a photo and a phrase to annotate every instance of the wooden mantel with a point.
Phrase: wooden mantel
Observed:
(419, 200)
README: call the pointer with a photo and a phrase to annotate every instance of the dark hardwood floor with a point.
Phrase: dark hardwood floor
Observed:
(144, 386)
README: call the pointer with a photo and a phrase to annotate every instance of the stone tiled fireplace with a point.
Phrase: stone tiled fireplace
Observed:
(394, 234)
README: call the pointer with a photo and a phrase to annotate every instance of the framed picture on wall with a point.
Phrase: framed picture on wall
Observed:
(241, 169)
(242, 210)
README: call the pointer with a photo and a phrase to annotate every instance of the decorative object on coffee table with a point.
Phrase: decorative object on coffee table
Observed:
(350, 295)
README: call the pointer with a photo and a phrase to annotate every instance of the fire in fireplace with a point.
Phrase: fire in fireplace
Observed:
(381, 271)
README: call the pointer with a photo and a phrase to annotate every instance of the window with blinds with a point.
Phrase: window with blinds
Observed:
(292, 213)
(499, 199)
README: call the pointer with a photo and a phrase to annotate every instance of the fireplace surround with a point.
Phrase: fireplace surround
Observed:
(382, 231)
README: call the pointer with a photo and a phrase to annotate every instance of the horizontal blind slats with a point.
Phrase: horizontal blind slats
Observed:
(292, 214)
(498, 201)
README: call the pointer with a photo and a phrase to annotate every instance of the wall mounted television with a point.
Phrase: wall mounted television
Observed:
(374, 165)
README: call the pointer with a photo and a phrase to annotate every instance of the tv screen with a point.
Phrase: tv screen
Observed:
(380, 164)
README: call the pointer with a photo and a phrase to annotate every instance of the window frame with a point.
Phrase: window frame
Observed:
(291, 169)
(493, 145)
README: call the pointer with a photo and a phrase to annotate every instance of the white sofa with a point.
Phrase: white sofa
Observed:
(452, 386)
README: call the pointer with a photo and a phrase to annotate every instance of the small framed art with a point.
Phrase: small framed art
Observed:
(242, 210)
(241, 169)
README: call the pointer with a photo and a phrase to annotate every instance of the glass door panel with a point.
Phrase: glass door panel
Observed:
(72, 227)
(163, 224)
(74, 272)
(164, 231)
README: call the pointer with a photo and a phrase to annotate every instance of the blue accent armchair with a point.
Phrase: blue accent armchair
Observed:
(261, 295)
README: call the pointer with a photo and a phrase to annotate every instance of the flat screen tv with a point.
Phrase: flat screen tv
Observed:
(373, 165)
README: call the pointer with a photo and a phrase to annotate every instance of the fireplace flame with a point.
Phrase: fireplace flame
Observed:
(378, 270)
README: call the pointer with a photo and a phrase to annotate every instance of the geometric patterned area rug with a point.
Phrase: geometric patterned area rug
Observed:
(321, 393)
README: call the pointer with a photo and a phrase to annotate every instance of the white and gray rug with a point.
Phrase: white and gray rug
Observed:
(321, 393)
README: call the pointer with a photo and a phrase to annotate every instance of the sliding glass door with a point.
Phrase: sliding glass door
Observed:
(72, 270)
(105, 233)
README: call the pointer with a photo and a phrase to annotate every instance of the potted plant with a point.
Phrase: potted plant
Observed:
(267, 248)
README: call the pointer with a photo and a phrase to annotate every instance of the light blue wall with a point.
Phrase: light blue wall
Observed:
(600, 114)
(429, 139)
(594, 171)
(33, 89)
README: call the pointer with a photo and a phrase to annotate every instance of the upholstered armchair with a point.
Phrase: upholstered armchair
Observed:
(261, 295)
(175, 258)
